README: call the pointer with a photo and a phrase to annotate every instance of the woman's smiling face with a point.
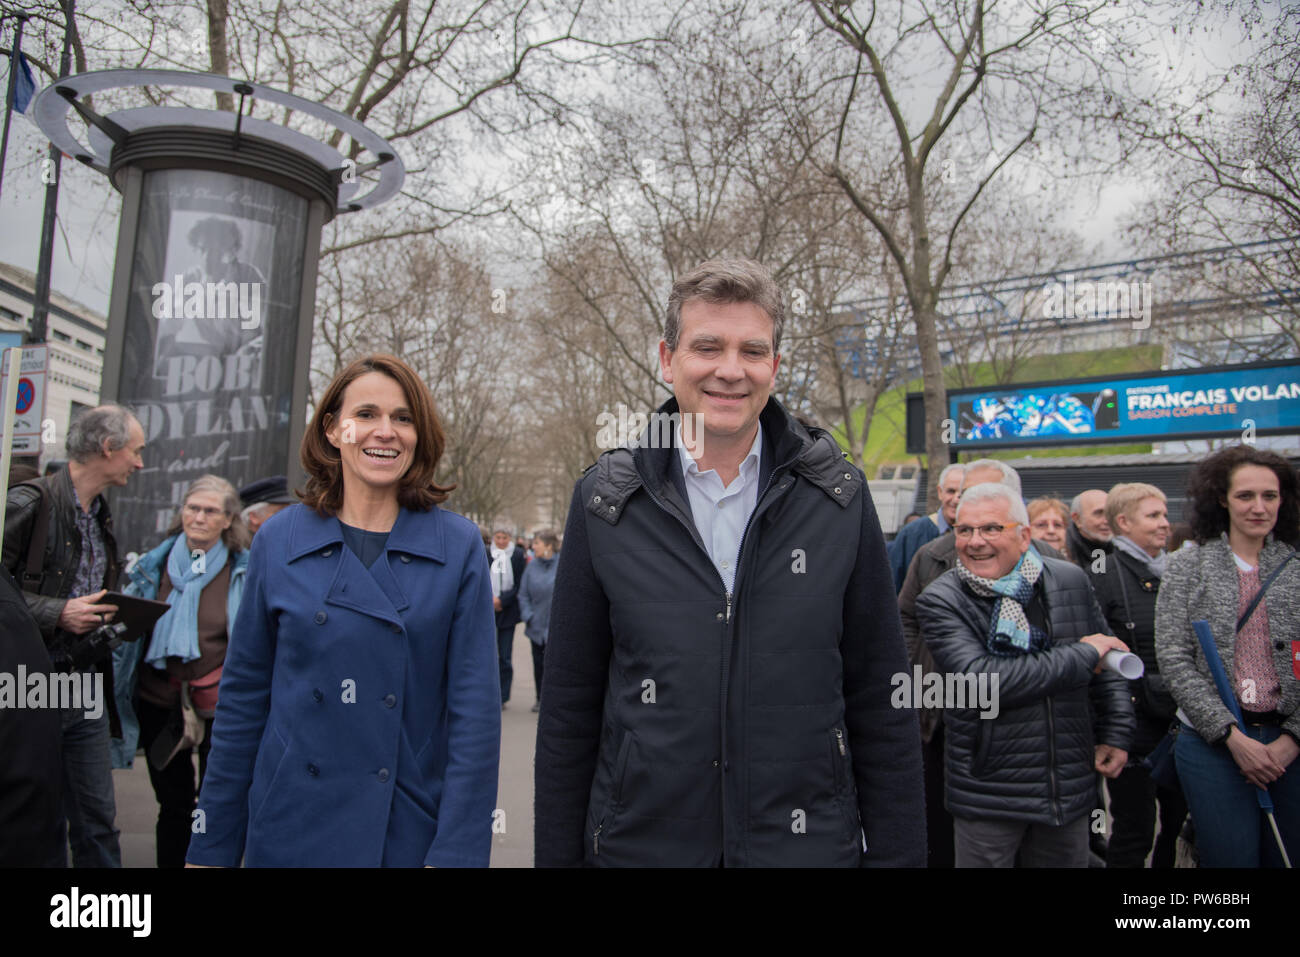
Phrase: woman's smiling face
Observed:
(374, 432)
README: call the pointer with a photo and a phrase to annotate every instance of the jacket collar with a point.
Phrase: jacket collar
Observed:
(414, 533)
(787, 444)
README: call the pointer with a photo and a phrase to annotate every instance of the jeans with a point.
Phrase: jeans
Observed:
(89, 808)
(989, 842)
(173, 785)
(1133, 797)
(505, 648)
(1231, 830)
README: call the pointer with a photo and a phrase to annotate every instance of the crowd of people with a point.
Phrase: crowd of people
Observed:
(717, 648)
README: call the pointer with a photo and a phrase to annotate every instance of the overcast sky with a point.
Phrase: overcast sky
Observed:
(89, 206)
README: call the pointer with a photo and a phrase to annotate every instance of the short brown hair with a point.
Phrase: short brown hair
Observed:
(1039, 505)
(1124, 498)
(723, 281)
(416, 489)
(237, 537)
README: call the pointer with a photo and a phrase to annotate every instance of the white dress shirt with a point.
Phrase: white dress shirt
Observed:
(721, 514)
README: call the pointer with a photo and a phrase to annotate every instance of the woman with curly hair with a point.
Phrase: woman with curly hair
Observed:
(1246, 523)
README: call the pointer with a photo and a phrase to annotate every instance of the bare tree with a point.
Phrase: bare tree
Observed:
(976, 79)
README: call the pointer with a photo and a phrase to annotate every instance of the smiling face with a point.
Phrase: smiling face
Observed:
(1147, 525)
(723, 368)
(949, 493)
(374, 432)
(995, 557)
(1254, 498)
(203, 519)
(1049, 527)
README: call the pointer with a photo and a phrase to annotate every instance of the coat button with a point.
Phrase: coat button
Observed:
(719, 616)
(313, 770)
(715, 762)
(320, 617)
(397, 629)
(596, 499)
(390, 700)
(382, 775)
(837, 490)
(317, 694)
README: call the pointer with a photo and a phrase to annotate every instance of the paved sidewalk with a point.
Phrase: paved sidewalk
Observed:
(137, 810)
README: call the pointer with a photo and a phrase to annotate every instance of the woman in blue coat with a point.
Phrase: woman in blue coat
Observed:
(358, 721)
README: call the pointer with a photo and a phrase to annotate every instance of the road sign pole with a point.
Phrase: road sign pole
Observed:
(10, 400)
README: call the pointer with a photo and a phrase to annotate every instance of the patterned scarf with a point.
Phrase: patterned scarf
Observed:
(1010, 632)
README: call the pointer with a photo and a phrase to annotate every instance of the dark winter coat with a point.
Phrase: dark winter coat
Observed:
(62, 555)
(1035, 760)
(682, 725)
(508, 616)
(1121, 577)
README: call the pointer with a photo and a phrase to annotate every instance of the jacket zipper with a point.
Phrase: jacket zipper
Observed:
(726, 631)
(595, 839)
(839, 739)
(1051, 761)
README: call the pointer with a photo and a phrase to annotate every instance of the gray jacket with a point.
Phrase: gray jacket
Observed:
(1201, 583)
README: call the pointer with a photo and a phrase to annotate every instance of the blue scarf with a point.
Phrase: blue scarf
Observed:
(177, 632)
(1010, 632)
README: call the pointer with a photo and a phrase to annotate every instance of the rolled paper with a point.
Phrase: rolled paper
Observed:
(1125, 662)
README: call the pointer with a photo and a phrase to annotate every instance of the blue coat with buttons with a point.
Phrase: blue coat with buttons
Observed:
(358, 720)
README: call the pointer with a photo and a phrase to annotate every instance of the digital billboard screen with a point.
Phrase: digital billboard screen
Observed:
(1153, 406)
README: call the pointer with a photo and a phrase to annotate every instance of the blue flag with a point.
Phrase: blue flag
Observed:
(24, 85)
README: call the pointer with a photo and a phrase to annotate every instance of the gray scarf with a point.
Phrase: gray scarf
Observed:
(1156, 566)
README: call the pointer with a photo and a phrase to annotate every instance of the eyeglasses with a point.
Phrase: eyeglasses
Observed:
(197, 510)
(990, 533)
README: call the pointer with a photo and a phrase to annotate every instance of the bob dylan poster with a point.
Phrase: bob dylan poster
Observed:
(210, 338)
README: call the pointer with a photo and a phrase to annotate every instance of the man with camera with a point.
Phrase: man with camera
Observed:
(58, 544)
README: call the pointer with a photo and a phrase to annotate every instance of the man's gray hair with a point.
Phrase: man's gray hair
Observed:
(1010, 478)
(943, 476)
(724, 281)
(995, 491)
(88, 431)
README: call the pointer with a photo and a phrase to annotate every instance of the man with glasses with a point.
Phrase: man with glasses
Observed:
(1020, 773)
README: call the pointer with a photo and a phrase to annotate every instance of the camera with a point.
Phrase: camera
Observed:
(86, 651)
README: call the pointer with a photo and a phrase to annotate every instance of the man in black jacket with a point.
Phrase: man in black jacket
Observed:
(723, 629)
(1020, 766)
(1089, 535)
(63, 588)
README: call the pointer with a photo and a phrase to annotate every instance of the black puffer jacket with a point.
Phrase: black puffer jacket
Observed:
(683, 726)
(1035, 760)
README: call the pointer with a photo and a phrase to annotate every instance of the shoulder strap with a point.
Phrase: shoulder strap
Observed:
(1129, 624)
(1259, 595)
(34, 569)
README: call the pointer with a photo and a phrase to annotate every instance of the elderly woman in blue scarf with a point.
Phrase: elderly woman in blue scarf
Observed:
(166, 686)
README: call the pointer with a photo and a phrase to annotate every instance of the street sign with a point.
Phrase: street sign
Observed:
(29, 410)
